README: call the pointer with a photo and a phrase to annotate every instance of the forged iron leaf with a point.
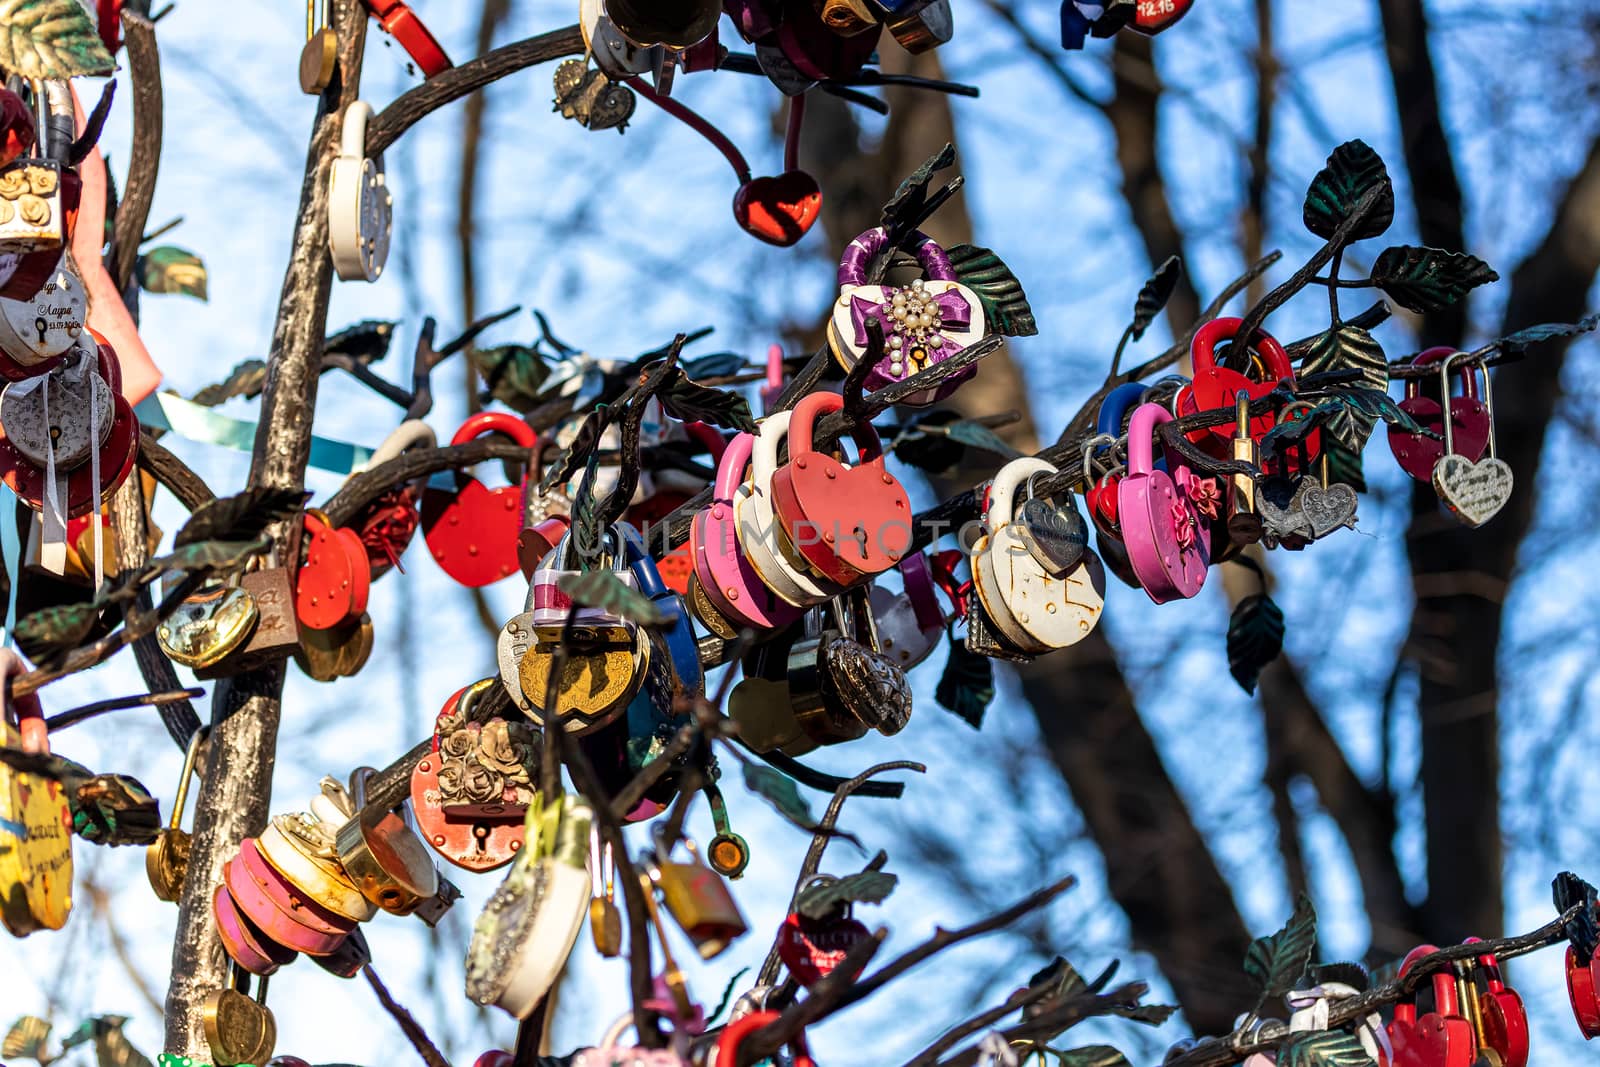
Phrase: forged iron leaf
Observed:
(239, 517)
(1278, 961)
(113, 809)
(46, 765)
(691, 402)
(1548, 331)
(1255, 638)
(586, 531)
(51, 39)
(513, 374)
(1005, 305)
(1060, 974)
(1323, 1048)
(975, 434)
(967, 685)
(246, 380)
(1349, 348)
(1344, 465)
(576, 454)
(868, 887)
(1288, 432)
(26, 1040)
(1154, 296)
(1150, 1014)
(779, 790)
(603, 589)
(1353, 168)
(1428, 279)
(913, 192)
(168, 269)
(1380, 405)
(1089, 1056)
(50, 633)
(212, 557)
(365, 342)
(716, 365)
(1568, 889)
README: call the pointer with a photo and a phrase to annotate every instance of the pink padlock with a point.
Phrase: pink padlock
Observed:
(1169, 546)
(727, 578)
(273, 903)
(246, 944)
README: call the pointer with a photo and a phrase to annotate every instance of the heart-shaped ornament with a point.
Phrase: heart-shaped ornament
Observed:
(778, 210)
(869, 684)
(812, 948)
(1328, 509)
(1474, 492)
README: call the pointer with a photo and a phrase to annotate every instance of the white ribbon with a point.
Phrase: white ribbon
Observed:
(1310, 1009)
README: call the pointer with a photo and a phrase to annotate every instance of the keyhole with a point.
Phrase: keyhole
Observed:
(41, 326)
(860, 534)
(480, 835)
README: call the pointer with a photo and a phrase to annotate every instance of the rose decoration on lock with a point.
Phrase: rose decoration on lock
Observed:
(924, 323)
(1169, 548)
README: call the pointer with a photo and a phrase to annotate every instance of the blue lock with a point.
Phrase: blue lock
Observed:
(682, 645)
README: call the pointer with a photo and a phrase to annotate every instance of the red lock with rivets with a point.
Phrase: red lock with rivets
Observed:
(1441, 1038)
(1215, 387)
(812, 948)
(473, 532)
(1469, 420)
(849, 523)
(332, 584)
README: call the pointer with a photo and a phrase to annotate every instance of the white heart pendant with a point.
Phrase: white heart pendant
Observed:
(1474, 492)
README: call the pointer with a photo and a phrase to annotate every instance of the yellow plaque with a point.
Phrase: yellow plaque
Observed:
(35, 849)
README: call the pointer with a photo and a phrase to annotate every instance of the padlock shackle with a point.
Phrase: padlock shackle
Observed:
(1444, 986)
(353, 134)
(640, 562)
(731, 468)
(917, 577)
(1203, 351)
(771, 434)
(190, 752)
(734, 1033)
(412, 433)
(1444, 354)
(1003, 490)
(487, 422)
(1140, 432)
(1491, 967)
(869, 447)
(859, 254)
(1115, 406)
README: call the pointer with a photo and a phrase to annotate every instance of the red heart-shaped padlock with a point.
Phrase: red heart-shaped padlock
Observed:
(332, 584)
(1442, 1037)
(1153, 16)
(1469, 420)
(1582, 992)
(1102, 501)
(847, 522)
(778, 210)
(812, 948)
(1505, 1019)
(1216, 387)
(473, 532)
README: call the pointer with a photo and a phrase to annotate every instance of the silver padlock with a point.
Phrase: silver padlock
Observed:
(62, 417)
(48, 323)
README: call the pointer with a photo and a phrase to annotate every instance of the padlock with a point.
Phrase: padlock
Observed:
(984, 637)
(208, 626)
(300, 847)
(762, 540)
(925, 29)
(612, 1053)
(1440, 1038)
(39, 328)
(1169, 546)
(847, 522)
(472, 531)
(1244, 524)
(620, 750)
(1150, 17)
(910, 624)
(726, 1052)
(388, 524)
(818, 713)
(35, 823)
(384, 854)
(924, 323)
(321, 51)
(1583, 991)
(698, 900)
(1051, 529)
(276, 634)
(245, 943)
(360, 208)
(167, 861)
(332, 585)
(813, 51)
(727, 852)
(1473, 492)
(724, 576)
(239, 1030)
(1500, 1016)
(346, 961)
(341, 652)
(812, 948)
(1216, 386)
(32, 216)
(676, 24)
(60, 418)
(1469, 420)
(397, 19)
(840, 684)
(617, 57)
(676, 635)
(526, 931)
(605, 920)
(459, 810)
(761, 704)
(279, 912)
(1032, 608)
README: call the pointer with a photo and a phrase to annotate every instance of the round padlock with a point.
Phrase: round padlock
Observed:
(332, 584)
(67, 411)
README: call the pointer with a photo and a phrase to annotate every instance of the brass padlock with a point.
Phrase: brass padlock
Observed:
(700, 902)
(208, 626)
(605, 921)
(31, 216)
(597, 683)
(1244, 525)
(277, 632)
(238, 1029)
(167, 861)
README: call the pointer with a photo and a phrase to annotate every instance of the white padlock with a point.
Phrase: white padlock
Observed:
(47, 323)
(760, 534)
(360, 209)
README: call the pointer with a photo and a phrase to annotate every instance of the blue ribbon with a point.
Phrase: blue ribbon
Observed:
(196, 422)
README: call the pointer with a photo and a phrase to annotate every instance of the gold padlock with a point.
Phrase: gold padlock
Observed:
(167, 861)
(276, 634)
(1244, 525)
(238, 1029)
(597, 682)
(700, 902)
(208, 626)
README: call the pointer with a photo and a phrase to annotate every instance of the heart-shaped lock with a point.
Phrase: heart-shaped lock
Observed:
(1152, 16)
(1503, 1017)
(812, 948)
(1169, 544)
(818, 53)
(1052, 530)
(910, 624)
(35, 823)
(1469, 419)
(847, 522)
(591, 98)
(331, 586)
(1473, 492)
(387, 525)
(725, 577)
(778, 210)
(46, 324)
(1216, 387)
(62, 416)
(924, 323)
(1584, 994)
(473, 532)
(1033, 609)
(762, 539)
(1440, 1038)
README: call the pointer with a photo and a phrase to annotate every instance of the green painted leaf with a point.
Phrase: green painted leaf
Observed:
(1277, 962)
(779, 790)
(584, 443)
(1005, 305)
(1344, 465)
(241, 517)
(172, 270)
(1352, 170)
(513, 374)
(1374, 404)
(246, 380)
(1428, 279)
(1349, 348)
(1289, 432)
(868, 887)
(1255, 638)
(604, 589)
(1548, 331)
(50, 633)
(975, 434)
(1154, 296)
(113, 809)
(49, 39)
(209, 557)
(1089, 1056)
(1150, 1014)
(1323, 1048)
(967, 685)
(691, 402)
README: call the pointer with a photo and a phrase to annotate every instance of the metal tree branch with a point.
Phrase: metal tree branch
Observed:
(138, 192)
